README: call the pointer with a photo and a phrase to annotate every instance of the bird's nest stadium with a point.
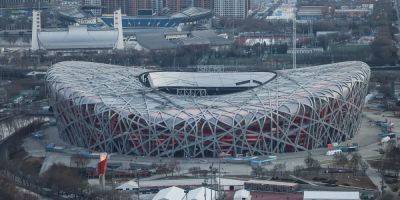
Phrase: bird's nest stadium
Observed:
(131, 110)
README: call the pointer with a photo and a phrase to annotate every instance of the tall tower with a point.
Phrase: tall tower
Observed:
(36, 27)
(118, 27)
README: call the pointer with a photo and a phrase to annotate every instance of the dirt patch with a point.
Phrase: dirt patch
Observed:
(344, 179)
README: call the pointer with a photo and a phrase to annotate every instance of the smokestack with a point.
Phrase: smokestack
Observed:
(36, 27)
(118, 27)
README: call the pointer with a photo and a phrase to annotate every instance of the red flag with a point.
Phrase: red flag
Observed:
(102, 165)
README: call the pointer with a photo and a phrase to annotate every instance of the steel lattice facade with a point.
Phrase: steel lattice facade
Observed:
(107, 108)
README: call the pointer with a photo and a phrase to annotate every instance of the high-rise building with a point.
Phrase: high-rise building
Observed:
(208, 4)
(23, 3)
(109, 6)
(157, 6)
(93, 5)
(173, 5)
(231, 8)
(128, 7)
(141, 7)
(178, 5)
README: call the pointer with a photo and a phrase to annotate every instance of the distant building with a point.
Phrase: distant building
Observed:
(270, 186)
(190, 15)
(306, 50)
(76, 37)
(331, 195)
(164, 39)
(109, 6)
(22, 3)
(128, 7)
(253, 38)
(207, 4)
(94, 6)
(284, 12)
(231, 8)
(312, 12)
(351, 12)
(178, 5)
(173, 5)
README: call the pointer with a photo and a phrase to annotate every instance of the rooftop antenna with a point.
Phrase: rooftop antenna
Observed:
(294, 39)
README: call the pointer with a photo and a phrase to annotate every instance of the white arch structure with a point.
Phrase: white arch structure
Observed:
(107, 108)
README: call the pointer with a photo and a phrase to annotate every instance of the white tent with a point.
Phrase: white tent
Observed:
(202, 193)
(171, 193)
(130, 185)
(242, 195)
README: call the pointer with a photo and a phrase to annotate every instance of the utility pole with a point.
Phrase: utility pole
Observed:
(138, 184)
(382, 181)
(219, 177)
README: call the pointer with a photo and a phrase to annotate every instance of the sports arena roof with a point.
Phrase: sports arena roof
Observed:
(196, 79)
(78, 37)
(119, 88)
(192, 12)
(188, 15)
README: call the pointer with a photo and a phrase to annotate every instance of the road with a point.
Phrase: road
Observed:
(367, 138)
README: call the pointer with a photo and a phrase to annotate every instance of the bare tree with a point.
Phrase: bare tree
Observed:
(194, 171)
(312, 163)
(257, 171)
(340, 159)
(355, 161)
(297, 169)
(78, 161)
(279, 171)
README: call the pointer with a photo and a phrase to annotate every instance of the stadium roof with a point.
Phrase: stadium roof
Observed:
(188, 15)
(118, 88)
(78, 37)
(196, 79)
(192, 12)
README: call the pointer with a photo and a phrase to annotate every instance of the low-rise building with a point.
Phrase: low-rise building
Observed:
(311, 12)
(331, 195)
(306, 50)
(160, 39)
(226, 184)
(270, 186)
